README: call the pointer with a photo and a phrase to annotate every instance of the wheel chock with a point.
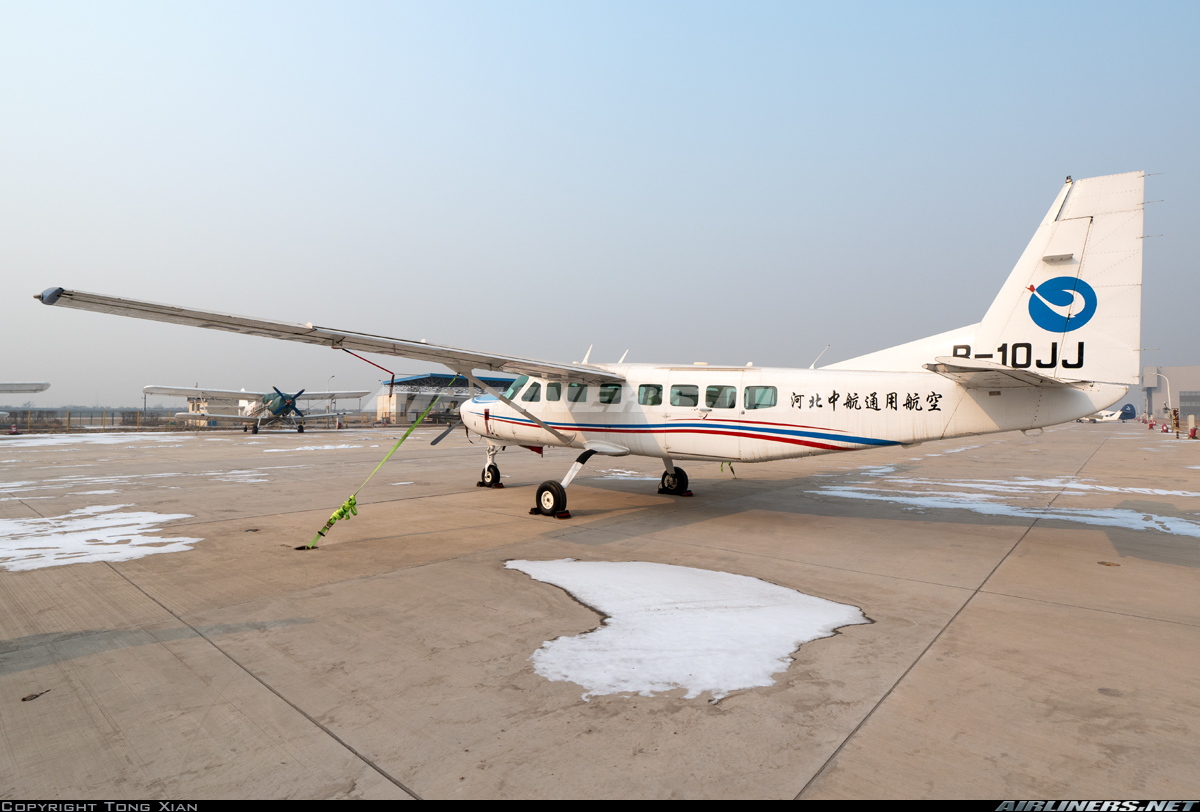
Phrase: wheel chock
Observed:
(686, 493)
(534, 512)
(566, 514)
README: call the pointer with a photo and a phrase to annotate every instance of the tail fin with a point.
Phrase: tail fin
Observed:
(1072, 307)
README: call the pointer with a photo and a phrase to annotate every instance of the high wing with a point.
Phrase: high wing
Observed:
(458, 360)
(204, 394)
(24, 387)
(974, 374)
(242, 394)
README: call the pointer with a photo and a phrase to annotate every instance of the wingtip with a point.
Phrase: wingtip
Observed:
(48, 296)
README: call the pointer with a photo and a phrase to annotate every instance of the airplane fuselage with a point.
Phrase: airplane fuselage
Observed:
(754, 414)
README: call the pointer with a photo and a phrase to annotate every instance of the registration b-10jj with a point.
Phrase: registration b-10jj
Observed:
(1060, 341)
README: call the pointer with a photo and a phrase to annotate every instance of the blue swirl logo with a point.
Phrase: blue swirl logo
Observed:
(1055, 304)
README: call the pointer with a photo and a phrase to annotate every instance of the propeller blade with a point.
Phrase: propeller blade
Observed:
(446, 433)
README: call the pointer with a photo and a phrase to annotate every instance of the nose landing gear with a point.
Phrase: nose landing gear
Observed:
(490, 478)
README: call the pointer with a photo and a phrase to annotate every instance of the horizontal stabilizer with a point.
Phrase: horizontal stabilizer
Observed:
(976, 374)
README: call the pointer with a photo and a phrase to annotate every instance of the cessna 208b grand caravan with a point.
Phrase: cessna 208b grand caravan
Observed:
(1060, 341)
(255, 409)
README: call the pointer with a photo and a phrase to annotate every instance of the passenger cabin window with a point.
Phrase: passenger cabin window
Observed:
(533, 394)
(553, 391)
(577, 392)
(515, 387)
(610, 393)
(650, 394)
(685, 395)
(720, 397)
(760, 397)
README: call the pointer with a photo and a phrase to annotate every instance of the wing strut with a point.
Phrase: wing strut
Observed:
(561, 437)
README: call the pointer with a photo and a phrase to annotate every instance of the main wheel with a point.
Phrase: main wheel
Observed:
(551, 498)
(490, 476)
(675, 483)
(300, 428)
(254, 429)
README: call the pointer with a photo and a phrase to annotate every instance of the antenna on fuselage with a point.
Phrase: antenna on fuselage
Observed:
(587, 354)
(623, 357)
(813, 365)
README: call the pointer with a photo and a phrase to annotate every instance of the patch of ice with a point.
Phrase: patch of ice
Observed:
(402, 483)
(987, 506)
(92, 493)
(621, 473)
(32, 440)
(672, 627)
(310, 448)
(88, 534)
(964, 448)
(1028, 485)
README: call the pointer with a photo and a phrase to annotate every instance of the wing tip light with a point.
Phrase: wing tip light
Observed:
(48, 296)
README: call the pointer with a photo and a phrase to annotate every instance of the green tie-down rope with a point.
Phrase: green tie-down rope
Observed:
(350, 506)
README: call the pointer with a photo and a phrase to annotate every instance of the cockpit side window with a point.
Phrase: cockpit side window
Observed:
(515, 387)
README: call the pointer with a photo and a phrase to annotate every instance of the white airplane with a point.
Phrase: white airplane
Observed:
(256, 409)
(22, 387)
(1127, 412)
(1060, 341)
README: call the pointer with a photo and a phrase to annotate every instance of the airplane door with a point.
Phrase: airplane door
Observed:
(700, 414)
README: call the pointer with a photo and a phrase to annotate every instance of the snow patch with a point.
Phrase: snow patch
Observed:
(987, 506)
(88, 534)
(672, 627)
(309, 448)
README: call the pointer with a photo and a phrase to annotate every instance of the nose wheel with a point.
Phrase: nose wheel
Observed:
(490, 478)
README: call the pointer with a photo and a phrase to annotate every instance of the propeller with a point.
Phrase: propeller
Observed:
(446, 433)
(289, 402)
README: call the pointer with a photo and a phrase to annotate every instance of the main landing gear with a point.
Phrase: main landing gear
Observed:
(490, 478)
(300, 428)
(674, 481)
(254, 429)
(552, 496)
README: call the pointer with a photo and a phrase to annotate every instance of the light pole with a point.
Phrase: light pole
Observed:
(1168, 380)
(327, 389)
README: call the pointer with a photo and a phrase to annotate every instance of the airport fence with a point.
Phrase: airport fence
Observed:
(49, 421)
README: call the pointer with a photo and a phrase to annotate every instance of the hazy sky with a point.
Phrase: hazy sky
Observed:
(726, 182)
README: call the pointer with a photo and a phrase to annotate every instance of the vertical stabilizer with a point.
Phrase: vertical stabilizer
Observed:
(1071, 308)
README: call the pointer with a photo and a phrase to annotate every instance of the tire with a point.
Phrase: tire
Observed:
(254, 429)
(490, 476)
(551, 498)
(676, 483)
(300, 428)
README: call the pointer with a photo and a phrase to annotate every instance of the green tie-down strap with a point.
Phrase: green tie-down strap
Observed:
(350, 506)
